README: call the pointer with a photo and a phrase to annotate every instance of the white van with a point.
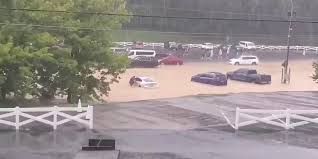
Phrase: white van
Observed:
(247, 45)
(147, 53)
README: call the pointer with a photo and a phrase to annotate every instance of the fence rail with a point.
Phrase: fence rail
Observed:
(261, 47)
(287, 119)
(54, 112)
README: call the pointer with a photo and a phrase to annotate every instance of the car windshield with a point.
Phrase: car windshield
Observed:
(252, 72)
(148, 80)
(220, 76)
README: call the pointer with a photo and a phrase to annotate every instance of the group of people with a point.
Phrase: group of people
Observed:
(220, 53)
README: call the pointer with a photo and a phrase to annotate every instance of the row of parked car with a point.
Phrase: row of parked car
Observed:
(243, 74)
(211, 78)
(150, 59)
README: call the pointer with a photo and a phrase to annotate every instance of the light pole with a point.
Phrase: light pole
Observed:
(291, 14)
(165, 23)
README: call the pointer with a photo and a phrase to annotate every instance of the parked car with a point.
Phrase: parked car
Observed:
(171, 60)
(249, 75)
(247, 45)
(245, 60)
(144, 82)
(145, 53)
(138, 45)
(147, 62)
(212, 78)
(171, 45)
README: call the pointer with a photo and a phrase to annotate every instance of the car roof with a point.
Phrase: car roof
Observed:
(144, 77)
(246, 42)
(212, 73)
(248, 56)
(216, 73)
(143, 50)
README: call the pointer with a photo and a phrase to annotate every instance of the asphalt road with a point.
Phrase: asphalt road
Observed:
(182, 128)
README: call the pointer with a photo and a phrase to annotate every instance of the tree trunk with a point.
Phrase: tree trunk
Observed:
(3, 94)
(69, 96)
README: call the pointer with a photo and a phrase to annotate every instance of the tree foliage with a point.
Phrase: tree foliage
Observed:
(53, 55)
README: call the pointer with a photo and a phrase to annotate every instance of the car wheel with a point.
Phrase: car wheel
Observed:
(236, 63)
(251, 80)
(254, 63)
(179, 63)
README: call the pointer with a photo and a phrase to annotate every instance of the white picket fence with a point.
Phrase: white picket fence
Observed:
(280, 118)
(53, 113)
(261, 47)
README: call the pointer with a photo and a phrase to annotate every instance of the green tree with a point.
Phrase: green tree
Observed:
(59, 55)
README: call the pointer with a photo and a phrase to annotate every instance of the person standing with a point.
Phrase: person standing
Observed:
(228, 51)
(211, 54)
(132, 81)
(220, 54)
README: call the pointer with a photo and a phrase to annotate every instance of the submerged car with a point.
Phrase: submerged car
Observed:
(212, 78)
(144, 82)
(146, 62)
(249, 75)
(171, 60)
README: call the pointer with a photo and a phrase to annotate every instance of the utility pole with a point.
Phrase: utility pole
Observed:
(164, 14)
(291, 14)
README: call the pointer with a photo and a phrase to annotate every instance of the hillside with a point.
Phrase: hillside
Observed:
(247, 9)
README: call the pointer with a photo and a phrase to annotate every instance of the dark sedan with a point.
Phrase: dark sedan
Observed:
(249, 75)
(212, 78)
(146, 62)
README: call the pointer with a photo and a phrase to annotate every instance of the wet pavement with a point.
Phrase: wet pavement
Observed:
(180, 128)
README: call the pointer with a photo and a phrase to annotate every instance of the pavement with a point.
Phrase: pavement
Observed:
(180, 128)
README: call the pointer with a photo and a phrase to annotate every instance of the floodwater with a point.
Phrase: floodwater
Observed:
(174, 81)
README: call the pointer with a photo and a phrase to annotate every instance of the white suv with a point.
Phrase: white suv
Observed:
(247, 45)
(245, 60)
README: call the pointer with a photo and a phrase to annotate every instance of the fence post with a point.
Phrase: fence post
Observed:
(55, 111)
(90, 113)
(79, 106)
(282, 77)
(237, 118)
(287, 119)
(17, 118)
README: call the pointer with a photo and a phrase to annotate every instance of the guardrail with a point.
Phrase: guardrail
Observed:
(53, 112)
(279, 118)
